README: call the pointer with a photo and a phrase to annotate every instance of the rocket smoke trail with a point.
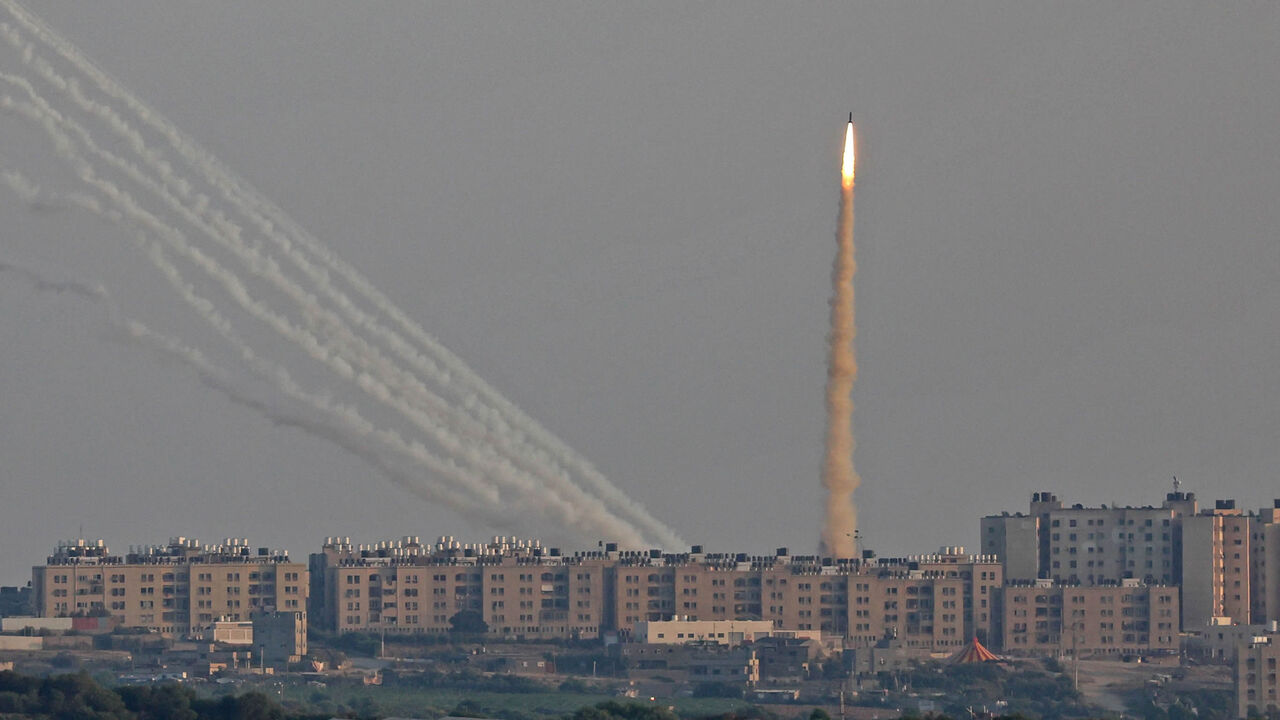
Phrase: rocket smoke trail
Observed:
(298, 336)
(838, 476)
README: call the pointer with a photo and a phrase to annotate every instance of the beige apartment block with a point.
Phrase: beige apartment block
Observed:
(934, 602)
(1045, 618)
(704, 589)
(403, 586)
(177, 589)
(520, 590)
(1257, 676)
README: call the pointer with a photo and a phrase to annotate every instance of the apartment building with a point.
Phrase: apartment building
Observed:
(1217, 566)
(1257, 676)
(1088, 545)
(1226, 561)
(176, 589)
(1044, 617)
(1015, 540)
(1264, 586)
(403, 586)
(932, 602)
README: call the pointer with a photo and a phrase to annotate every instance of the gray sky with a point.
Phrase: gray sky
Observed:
(622, 216)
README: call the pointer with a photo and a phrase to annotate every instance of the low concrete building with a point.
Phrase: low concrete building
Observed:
(716, 632)
(889, 654)
(691, 663)
(787, 657)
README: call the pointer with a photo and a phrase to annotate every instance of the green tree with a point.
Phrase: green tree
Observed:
(468, 622)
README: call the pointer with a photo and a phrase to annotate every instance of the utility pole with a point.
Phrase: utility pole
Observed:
(1075, 657)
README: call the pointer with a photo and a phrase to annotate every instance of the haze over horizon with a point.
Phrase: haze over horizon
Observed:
(623, 218)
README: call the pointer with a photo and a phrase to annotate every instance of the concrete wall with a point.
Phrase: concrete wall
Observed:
(21, 642)
(18, 624)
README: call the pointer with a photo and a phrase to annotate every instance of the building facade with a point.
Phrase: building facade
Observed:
(1088, 545)
(403, 586)
(1257, 683)
(714, 632)
(1217, 565)
(1226, 561)
(1126, 618)
(280, 637)
(521, 590)
(176, 589)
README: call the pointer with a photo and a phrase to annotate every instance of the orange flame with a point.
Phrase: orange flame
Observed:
(846, 172)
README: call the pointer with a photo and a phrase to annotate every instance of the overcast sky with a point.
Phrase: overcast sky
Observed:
(623, 216)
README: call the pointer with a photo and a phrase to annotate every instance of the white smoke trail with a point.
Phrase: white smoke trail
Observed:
(527, 495)
(578, 512)
(235, 287)
(40, 281)
(266, 217)
(337, 358)
(261, 367)
(314, 414)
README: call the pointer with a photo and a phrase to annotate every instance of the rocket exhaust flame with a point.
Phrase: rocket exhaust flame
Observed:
(838, 476)
(849, 165)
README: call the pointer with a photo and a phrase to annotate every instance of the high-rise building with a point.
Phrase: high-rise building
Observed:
(1226, 561)
(1089, 545)
(1217, 563)
(1015, 540)
(1264, 566)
